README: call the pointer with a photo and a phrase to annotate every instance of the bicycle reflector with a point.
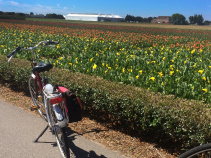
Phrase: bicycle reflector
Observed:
(56, 100)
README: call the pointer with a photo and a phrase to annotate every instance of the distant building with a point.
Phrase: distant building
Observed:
(162, 19)
(93, 17)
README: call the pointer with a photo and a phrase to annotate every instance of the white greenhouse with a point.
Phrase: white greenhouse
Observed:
(93, 17)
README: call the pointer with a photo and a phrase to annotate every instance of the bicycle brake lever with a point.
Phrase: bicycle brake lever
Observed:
(9, 59)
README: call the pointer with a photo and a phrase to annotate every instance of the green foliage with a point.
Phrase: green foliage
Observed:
(16, 74)
(128, 108)
(178, 19)
(196, 19)
(131, 18)
(177, 65)
(12, 15)
(54, 16)
(17, 17)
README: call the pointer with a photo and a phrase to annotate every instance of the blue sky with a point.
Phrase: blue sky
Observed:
(143, 8)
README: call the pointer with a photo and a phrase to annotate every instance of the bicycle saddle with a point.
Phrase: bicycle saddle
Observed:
(41, 67)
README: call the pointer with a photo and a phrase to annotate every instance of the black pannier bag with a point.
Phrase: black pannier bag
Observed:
(74, 106)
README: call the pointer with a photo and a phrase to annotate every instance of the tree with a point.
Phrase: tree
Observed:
(10, 13)
(31, 13)
(200, 20)
(145, 20)
(207, 22)
(130, 18)
(191, 20)
(139, 19)
(196, 19)
(54, 16)
(20, 14)
(178, 19)
(149, 19)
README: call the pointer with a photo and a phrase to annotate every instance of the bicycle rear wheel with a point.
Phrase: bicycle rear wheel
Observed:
(37, 97)
(60, 134)
(62, 142)
(203, 151)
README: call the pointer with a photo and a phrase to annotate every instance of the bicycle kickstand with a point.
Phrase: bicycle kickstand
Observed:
(41, 134)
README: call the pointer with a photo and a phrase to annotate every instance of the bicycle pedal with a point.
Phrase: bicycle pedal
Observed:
(34, 108)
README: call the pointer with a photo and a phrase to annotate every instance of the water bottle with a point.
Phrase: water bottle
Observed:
(49, 88)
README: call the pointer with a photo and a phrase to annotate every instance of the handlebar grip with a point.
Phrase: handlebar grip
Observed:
(53, 42)
(13, 52)
(56, 42)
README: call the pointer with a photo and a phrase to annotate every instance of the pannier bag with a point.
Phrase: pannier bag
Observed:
(74, 105)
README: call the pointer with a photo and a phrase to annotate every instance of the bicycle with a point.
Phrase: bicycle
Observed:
(202, 151)
(49, 101)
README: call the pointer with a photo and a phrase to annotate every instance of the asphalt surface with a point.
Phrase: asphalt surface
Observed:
(18, 129)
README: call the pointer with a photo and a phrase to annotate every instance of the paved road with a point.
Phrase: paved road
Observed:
(19, 128)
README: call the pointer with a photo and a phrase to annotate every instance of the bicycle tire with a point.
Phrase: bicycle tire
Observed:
(203, 151)
(32, 84)
(61, 137)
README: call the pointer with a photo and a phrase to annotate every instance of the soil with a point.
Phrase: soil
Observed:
(93, 130)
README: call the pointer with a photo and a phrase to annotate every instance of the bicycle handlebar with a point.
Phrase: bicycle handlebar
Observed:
(46, 43)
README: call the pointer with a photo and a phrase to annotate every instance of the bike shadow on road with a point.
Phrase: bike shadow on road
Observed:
(77, 151)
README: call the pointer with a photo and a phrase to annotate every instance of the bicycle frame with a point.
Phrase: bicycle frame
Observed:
(37, 79)
(36, 76)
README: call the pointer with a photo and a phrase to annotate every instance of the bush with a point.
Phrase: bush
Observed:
(127, 108)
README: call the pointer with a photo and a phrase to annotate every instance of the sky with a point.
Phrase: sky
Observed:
(143, 8)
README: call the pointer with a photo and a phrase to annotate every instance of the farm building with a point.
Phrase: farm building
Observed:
(162, 19)
(93, 17)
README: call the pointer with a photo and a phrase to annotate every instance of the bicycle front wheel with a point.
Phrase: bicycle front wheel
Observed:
(203, 151)
(37, 97)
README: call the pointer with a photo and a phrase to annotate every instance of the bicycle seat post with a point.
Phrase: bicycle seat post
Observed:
(44, 79)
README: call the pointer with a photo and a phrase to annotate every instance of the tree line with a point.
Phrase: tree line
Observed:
(176, 19)
(132, 18)
(179, 19)
(22, 16)
(54, 16)
(12, 15)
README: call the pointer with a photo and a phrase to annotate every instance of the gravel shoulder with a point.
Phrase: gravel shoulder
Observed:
(92, 130)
